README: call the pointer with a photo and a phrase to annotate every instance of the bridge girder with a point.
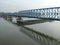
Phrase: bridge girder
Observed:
(53, 12)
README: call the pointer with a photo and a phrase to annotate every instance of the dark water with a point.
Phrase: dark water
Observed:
(42, 33)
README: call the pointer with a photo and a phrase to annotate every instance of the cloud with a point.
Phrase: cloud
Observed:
(17, 5)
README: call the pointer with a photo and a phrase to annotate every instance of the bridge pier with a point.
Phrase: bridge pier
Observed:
(19, 20)
(14, 19)
(8, 18)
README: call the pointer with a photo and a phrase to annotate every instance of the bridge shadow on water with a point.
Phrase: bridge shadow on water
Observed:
(39, 37)
(31, 22)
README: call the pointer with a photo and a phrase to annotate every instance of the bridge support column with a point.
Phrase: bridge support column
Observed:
(9, 18)
(19, 20)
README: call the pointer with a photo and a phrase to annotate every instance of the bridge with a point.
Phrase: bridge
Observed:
(52, 13)
(44, 13)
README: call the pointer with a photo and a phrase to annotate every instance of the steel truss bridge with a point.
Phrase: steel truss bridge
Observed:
(44, 13)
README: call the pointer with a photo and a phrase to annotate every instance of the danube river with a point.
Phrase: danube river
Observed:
(42, 33)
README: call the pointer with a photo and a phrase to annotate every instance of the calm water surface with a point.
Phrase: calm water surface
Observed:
(49, 28)
(10, 34)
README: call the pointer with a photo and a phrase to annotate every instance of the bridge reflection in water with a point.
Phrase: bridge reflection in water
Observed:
(40, 37)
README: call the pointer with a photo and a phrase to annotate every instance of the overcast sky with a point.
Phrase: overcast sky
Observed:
(18, 5)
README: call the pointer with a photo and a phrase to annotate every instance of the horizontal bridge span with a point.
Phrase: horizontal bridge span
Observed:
(48, 13)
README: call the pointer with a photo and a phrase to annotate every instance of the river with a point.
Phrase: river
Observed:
(51, 28)
(12, 34)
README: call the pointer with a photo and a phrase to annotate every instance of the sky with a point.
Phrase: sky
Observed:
(18, 5)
